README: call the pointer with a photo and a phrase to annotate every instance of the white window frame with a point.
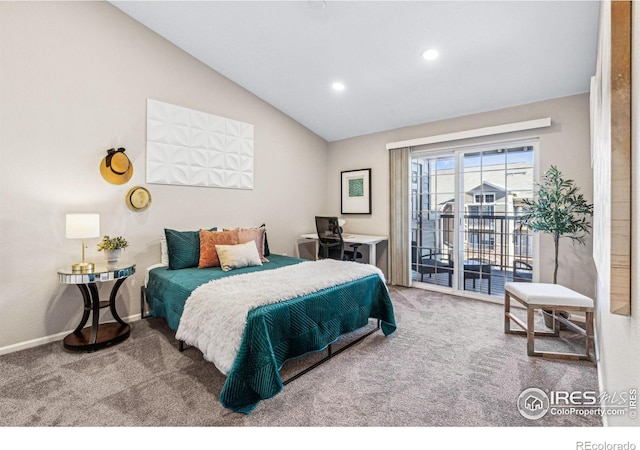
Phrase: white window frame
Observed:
(458, 152)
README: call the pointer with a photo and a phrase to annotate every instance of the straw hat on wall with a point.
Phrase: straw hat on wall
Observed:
(116, 167)
(138, 198)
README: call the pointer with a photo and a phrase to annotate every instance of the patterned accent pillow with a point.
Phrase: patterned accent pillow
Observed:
(237, 256)
(183, 248)
(208, 242)
(257, 235)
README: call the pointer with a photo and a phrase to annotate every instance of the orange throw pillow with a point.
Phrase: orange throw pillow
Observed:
(208, 242)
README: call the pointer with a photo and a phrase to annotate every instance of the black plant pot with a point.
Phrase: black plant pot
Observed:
(548, 318)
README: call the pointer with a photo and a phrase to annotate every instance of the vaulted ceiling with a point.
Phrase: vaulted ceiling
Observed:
(492, 54)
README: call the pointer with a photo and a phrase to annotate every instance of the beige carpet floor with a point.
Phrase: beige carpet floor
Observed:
(448, 364)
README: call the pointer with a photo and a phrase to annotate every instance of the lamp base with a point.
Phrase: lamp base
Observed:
(83, 267)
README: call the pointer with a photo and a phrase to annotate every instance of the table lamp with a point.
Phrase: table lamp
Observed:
(83, 226)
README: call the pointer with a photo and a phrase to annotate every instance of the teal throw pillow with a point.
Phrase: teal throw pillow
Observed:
(183, 248)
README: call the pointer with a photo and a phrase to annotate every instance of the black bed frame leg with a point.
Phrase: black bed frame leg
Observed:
(143, 314)
(331, 354)
(181, 346)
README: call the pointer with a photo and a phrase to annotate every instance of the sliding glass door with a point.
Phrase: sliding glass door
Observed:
(432, 233)
(465, 210)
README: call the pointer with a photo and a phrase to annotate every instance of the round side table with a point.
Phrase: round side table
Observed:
(98, 335)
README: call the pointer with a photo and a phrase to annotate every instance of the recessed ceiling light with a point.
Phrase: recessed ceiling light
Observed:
(338, 86)
(430, 54)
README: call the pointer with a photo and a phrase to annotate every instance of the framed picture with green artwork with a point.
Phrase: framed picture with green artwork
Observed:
(356, 191)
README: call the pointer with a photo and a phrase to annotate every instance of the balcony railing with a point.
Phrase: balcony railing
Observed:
(496, 239)
(499, 241)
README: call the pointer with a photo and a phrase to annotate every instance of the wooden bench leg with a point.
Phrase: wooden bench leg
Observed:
(509, 317)
(528, 329)
(590, 344)
(588, 333)
(507, 311)
(530, 333)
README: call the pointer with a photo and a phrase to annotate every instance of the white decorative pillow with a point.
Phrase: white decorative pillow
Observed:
(238, 256)
(164, 252)
(257, 234)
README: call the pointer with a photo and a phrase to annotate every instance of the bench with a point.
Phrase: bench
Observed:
(552, 297)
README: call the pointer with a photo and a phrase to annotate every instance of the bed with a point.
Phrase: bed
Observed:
(312, 310)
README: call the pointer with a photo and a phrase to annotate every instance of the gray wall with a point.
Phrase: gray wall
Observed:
(75, 79)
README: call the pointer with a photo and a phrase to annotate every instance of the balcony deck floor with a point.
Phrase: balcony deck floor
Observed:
(498, 279)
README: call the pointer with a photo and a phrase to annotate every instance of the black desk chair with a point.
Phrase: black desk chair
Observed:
(331, 243)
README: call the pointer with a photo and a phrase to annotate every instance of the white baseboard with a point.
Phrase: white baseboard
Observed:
(47, 339)
(605, 422)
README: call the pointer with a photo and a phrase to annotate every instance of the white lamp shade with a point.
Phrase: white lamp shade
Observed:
(80, 226)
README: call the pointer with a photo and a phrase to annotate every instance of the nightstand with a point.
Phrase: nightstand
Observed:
(98, 335)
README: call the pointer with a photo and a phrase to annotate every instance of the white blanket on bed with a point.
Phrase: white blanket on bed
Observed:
(215, 313)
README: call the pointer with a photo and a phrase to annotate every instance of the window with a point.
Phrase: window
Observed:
(485, 241)
(475, 210)
(486, 198)
(523, 244)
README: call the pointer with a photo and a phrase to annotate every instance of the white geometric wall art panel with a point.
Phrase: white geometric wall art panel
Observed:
(194, 148)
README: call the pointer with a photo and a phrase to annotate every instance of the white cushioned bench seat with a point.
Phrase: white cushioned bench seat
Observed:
(547, 294)
(553, 297)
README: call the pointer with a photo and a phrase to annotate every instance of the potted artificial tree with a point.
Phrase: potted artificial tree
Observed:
(559, 210)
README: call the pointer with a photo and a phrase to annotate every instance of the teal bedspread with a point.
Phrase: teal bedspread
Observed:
(168, 290)
(279, 331)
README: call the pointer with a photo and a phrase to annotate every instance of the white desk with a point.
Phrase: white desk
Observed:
(364, 239)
